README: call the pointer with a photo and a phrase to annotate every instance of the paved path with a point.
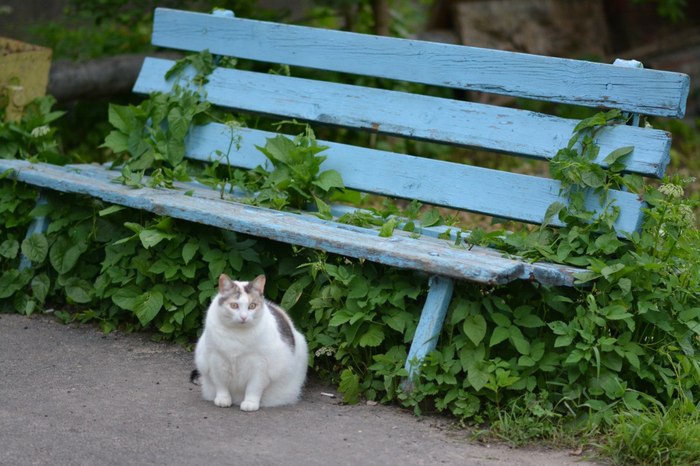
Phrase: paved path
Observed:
(72, 396)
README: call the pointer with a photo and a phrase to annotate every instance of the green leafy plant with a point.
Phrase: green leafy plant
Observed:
(33, 137)
(296, 179)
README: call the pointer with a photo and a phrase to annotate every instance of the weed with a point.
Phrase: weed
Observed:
(656, 436)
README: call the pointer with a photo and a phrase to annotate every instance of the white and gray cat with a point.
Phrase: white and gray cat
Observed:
(249, 354)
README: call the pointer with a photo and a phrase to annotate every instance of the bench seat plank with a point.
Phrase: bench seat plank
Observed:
(649, 92)
(414, 116)
(542, 272)
(493, 192)
(431, 255)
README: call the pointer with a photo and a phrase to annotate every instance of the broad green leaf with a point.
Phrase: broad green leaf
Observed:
(633, 359)
(477, 378)
(617, 154)
(593, 177)
(475, 328)
(689, 314)
(574, 357)
(339, 318)
(35, 247)
(398, 322)
(552, 211)
(147, 306)
(499, 334)
(615, 312)
(177, 124)
(278, 149)
(388, 227)
(328, 180)
(349, 386)
(430, 218)
(500, 319)
(9, 248)
(563, 340)
(189, 250)
(40, 287)
(612, 386)
(64, 254)
(608, 243)
(519, 341)
(10, 283)
(559, 327)
(122, 117)
(294, 292)
(125, 298)
(117, 142)
(596, 120)
(526, 361)
(374, 336)
(78, 290)
(150, 237)
(529, 321)
(611, 269)
(358, 287)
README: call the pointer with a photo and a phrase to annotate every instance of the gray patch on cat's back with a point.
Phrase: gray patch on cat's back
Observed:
(283, 324)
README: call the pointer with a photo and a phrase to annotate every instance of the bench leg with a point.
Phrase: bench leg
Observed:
(429, 325)
(37, 225)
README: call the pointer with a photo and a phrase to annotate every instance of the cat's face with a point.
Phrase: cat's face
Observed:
(240, 303)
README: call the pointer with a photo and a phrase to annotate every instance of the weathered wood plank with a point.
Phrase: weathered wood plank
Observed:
(430, 324)
(577, 82)
(414, 116)
(426, 254)
(493, 192)
(541, 272)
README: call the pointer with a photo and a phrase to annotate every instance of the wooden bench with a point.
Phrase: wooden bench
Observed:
(459, 186)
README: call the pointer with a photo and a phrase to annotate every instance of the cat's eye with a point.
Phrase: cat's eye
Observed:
(252, 306)
(233, 305)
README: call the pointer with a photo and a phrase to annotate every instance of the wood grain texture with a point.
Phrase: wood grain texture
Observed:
(414, 116)
(578, 82)
(493, 192)
(427, 254)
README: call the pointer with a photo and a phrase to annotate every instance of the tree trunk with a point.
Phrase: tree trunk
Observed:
(382, 17)
(96, 79)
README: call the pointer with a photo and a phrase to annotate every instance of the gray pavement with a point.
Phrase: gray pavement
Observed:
(70, 395)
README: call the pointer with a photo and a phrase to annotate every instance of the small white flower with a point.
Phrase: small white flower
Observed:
(687, 214)
(40, 131)
(671, 190)
(325, 351)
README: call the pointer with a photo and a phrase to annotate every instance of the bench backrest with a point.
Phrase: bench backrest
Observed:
(518, 132)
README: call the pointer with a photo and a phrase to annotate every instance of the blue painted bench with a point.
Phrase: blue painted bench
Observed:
(493, 192)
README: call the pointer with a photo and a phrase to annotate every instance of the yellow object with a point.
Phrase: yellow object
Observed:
(24, 75)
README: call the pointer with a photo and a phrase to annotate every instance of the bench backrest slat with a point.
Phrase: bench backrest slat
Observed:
(502, 194)
(648, 92)
(414, 116)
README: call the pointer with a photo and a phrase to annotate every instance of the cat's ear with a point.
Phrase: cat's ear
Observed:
(258, 284)
(225, 283)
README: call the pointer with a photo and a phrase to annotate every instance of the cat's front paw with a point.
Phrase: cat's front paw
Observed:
(249, 405)
(222, 400)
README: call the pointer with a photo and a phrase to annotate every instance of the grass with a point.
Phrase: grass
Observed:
(651, 437)
(663, 436)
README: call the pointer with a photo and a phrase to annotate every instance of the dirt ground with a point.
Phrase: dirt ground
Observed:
(70, 395)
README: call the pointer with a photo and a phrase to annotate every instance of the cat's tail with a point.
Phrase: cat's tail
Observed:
(194, 376)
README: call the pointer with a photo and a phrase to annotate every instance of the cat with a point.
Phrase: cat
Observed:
(249, 353)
